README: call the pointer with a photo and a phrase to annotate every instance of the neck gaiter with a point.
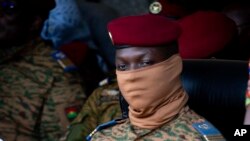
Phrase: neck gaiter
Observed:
(155, 94)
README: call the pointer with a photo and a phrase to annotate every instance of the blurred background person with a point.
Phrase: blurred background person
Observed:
(247, 102)
(40, 90)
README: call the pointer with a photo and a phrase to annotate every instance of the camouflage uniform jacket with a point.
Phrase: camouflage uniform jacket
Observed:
(179, 129)
(101, 106)
(34, 92)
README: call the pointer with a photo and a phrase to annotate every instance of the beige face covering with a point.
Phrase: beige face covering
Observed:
(154, 94)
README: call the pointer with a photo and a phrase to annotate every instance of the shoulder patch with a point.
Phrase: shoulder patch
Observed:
(208, 131)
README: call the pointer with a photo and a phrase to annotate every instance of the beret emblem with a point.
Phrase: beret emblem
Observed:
(155, 7)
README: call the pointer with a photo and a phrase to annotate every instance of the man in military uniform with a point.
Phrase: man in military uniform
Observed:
(148, 69)
(38, 97)
(102, 106)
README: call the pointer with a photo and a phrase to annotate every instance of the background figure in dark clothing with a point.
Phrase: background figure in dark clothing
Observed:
(38, 98)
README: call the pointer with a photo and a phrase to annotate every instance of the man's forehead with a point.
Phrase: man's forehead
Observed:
(137, 51)
(135, 48)
(133, 53)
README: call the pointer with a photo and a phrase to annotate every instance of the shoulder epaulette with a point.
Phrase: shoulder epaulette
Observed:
(107, 81)
(208, 131)
(63, 61)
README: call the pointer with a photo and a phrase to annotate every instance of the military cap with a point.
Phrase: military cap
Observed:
(143, 31)
(205, 33)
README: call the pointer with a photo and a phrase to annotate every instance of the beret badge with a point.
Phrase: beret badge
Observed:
(155, 7)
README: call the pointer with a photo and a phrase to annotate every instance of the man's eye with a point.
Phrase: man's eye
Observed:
(121, 67)
(145, 63)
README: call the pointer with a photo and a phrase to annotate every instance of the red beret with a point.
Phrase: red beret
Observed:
(76, 51)
(205, 33)
(143, 30)
(165, 8)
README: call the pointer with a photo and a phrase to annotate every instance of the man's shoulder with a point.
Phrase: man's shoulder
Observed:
(208, 131)
(106, 92)
(190, 125)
